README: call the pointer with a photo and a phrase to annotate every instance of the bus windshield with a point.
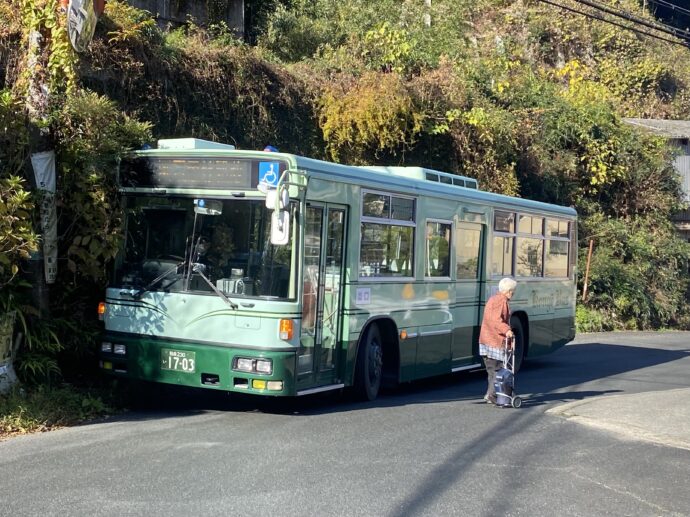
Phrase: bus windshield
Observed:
(165, 249)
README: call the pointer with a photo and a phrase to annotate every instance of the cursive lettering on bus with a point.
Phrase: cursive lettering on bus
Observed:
(550, 300)
(542, 301)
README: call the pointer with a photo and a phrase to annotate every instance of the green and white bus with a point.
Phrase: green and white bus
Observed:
(275, 274)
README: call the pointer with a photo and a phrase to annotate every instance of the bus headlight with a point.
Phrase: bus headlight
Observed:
(246, 364)
(264, 366)
(107, 347)
(119, 349)
(243, 364)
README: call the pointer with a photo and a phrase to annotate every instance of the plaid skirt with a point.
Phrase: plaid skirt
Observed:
(491, 352)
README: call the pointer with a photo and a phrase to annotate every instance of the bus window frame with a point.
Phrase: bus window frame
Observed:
(481, 251)
(389, 222)
(451, 248)
(569, 239)
(534, 236)
(516, 234)
(504, 234)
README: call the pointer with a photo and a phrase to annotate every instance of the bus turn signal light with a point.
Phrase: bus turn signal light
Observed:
(101, 310)
(286, 330)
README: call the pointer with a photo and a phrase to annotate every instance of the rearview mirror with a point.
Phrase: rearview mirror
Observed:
(280, 227)
(208, 206)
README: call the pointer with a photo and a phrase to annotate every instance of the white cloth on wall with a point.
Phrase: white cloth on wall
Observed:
(43, 164)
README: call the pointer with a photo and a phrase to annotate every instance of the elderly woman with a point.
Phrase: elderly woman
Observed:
(495, 328)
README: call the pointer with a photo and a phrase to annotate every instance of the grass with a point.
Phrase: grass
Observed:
(28, 410)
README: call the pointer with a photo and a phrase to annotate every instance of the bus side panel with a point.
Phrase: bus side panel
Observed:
(540, 336)
(551, 309)
(465, 347)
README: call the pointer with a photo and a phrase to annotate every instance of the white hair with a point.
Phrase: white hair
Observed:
(506, 285)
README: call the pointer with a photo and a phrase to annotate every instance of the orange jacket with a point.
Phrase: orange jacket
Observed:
(496, 321)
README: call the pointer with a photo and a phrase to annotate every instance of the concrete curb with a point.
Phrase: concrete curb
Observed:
(660, 417)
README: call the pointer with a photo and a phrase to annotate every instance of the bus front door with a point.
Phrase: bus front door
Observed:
(322, 294)
(468, 290)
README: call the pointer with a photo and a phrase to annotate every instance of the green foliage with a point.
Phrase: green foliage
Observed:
(382, 35)
(638, 274)
(92, 134)
(195, 82)
(374, 115)
(17, 238)
(13, 135)
(36, 360)
(42, 16)
(388, 49)
(591, 320)
(44, 408)
(125, 24)
(298, 32)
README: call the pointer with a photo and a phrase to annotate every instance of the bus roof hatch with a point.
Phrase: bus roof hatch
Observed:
(422, 173)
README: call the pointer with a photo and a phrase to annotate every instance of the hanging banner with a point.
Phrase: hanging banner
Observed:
(44, 173)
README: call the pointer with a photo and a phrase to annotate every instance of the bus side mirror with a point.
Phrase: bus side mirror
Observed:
(280, 227)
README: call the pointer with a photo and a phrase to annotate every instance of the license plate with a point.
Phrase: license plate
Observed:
(178, 360)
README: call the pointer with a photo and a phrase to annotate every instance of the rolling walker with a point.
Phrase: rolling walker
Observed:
(505, 378)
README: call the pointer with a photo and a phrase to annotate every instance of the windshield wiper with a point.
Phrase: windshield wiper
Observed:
(136, 293)
(199, 269)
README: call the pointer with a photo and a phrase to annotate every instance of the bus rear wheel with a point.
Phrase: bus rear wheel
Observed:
(369, 367)
(519, 343)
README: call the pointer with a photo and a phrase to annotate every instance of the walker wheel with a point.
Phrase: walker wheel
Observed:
(516, 402)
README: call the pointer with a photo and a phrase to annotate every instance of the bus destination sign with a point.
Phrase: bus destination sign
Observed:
(191, 172)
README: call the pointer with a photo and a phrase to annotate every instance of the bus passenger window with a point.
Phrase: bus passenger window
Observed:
(504, 222)
(467, 246)
(437, 249)
(556, 259)
(387, 235)
(557, 248)
(312, 257)
(502, 256)
(529, 256)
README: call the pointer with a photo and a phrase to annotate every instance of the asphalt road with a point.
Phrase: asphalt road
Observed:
(428, 448)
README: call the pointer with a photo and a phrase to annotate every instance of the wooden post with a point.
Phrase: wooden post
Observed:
(589, 260)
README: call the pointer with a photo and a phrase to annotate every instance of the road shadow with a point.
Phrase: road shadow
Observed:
(559, 377)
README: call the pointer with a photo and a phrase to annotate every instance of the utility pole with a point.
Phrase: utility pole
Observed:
(589, 260)
(38, 100)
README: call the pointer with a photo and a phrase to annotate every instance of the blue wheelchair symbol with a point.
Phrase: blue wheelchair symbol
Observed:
(269, 173)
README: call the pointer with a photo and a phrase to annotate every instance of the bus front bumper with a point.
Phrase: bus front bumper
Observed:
(226, 368)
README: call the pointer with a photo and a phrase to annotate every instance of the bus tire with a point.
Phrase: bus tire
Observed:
(369, 366)
(519, 343)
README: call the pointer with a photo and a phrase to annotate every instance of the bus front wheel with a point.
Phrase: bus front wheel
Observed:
(369, 367)
(519, 343)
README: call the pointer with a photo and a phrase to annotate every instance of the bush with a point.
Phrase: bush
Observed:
(638, 274)
(369, 118)
(43, 408)
(591, 320)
